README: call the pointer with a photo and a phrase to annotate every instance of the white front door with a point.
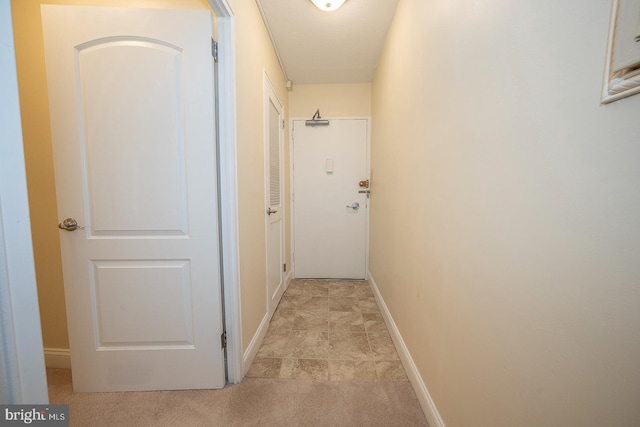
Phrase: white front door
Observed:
(273, 141)
(330, 207)
(132, 107)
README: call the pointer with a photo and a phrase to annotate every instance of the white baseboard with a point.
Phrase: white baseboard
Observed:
(427, 404)
(287, 279)
(57, 358)
(254, 345)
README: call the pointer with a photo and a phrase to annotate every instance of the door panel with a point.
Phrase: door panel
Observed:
(330, 237)
(150, 287)
(275, 207)
(132, 107)
(162, 182)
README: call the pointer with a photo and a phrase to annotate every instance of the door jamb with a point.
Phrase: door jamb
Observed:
(229, 188)
(22, 371)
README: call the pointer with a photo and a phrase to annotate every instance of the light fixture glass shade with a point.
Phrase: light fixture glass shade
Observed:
(328, 5)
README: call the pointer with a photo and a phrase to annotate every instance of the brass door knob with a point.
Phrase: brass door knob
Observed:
(69, 224)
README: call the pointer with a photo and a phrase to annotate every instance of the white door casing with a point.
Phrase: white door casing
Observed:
(131, 103)
(274, 200)
(330, 236)
(22, 368)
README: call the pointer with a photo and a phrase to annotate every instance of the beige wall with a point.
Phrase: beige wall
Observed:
(334, 100)
(505, 212)
(254, 52)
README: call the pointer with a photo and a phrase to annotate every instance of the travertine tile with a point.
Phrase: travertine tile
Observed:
(374, 322)
(308, 369)
(390, 371)
(296, 284)
(382, 346)
(362, 370)
(265, 368)
(368, 305)
(316, 282)
(307, 345)
(343, 304)
(282, 319)
(294, 291)
(346, 321)
(328, 330)
(359, 283)
(342, 290)
(314, 319)
(349, 346)
(289, 302)
(313, 303)
(364, 292)
(316, 290)
(275, 343)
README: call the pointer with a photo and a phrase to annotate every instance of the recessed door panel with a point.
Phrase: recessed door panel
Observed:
(129, 295)
(133, 146)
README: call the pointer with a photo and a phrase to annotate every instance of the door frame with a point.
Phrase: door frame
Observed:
(227, 163)
(20, 329)
(269, 94)
(22, 373)
(291, 187)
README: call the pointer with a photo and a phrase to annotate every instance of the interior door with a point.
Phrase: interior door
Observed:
(330, 207)
(132, 107)
(274, 201)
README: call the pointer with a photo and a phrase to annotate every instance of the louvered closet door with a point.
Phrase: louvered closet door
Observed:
(274, 199)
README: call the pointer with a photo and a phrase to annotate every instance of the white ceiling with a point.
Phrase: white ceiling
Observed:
(315, 47)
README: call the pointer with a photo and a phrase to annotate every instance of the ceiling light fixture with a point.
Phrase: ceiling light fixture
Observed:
(328, 5)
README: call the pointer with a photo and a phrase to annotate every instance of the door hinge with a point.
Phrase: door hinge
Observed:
(283, 124)
(214, 49)
(284, 267)
(223, 339)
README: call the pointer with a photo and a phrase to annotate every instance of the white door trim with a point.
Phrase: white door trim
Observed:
(22, 372)
(291, 187)
(228, 165)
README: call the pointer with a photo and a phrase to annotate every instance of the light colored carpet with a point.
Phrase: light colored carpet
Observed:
(254, 402)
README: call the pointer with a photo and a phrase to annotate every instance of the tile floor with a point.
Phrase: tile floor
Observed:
(328, 330)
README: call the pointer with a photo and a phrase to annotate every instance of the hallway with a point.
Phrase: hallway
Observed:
(327, 360)
(328, 330)
(503, 234)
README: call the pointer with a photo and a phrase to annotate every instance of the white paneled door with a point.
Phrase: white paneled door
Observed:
(132, 107)
(273, 140)
(330, 206)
